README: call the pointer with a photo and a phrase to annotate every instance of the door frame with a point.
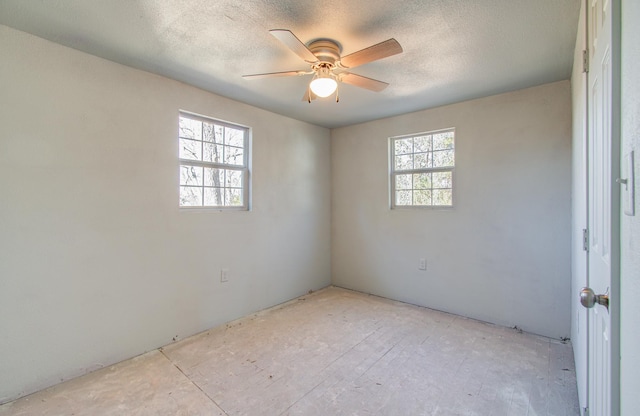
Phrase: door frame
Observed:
(616, 157)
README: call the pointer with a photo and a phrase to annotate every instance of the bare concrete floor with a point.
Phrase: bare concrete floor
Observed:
(334, 352)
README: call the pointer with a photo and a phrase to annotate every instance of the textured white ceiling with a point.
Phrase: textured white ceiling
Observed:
(454, 50)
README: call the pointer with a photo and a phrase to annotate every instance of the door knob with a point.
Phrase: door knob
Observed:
(588, 299)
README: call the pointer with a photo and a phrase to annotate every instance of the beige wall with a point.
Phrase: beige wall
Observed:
(97, 262)
(502, 254)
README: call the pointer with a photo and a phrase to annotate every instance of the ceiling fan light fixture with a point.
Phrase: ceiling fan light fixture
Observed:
(323, 87)
(323, 84)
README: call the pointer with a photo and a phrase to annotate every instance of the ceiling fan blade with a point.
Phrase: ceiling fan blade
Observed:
(277, 74)
(382, 50)
(289, 39)
(363, 82)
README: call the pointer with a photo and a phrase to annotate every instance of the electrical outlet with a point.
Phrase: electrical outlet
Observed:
(423, 264)
(224, 275)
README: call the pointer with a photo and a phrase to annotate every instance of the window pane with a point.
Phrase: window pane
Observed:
(403, 146)
(218, 134)
(211, 152)
(443, 158)
(404, 162)
(213, 177)
(422, 181)
(190, 196)
(422, 160)
(442, 179)
(234, 137)
(213, 197)
(234, 179)
(190, 149)
(421, 197)
(403, 198)
(191, 129)
(422, 144)
(233, 197)
(403, 182)
(190, 175)
(442, 197)
(443, 141)
(233, 156)
(219, 153)
(207, 132)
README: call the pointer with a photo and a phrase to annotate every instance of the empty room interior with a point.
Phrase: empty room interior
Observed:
(319, 208)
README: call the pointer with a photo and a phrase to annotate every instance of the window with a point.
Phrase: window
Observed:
(422, 169)
(213, 163)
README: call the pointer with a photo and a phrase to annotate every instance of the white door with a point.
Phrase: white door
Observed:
(600, 209)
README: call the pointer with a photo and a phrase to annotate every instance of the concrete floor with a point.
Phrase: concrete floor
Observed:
(334, 352)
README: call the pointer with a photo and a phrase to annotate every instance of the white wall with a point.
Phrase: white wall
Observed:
(579, 210)
(503, 253)
(97, 262)
(630, 226)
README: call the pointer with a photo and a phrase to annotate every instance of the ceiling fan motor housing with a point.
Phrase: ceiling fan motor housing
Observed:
(327, 52)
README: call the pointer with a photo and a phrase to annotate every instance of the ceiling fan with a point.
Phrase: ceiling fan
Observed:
(328, 67)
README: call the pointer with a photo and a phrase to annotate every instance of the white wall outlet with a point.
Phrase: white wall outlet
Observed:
(224, 275)
(423, 264)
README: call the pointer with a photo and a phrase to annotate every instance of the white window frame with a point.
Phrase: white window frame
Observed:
(393, 172)
(244, 168)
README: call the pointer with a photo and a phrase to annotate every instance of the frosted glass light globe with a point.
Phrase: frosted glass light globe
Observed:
(323, 87)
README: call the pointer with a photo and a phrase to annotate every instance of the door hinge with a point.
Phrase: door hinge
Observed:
(585, 61)
(585, 239)
(585, 411)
